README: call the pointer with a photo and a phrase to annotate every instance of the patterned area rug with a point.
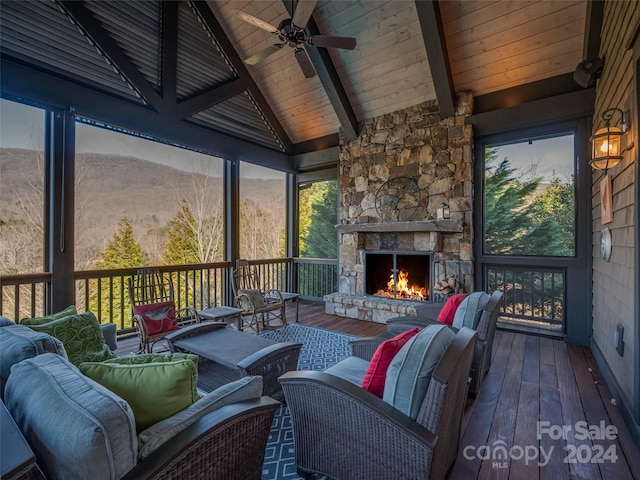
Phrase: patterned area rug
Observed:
(320, 349)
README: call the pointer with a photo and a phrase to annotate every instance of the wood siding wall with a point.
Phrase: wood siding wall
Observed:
(614, 281)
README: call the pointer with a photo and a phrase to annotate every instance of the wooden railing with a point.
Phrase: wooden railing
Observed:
(104, 292)
(530, 294)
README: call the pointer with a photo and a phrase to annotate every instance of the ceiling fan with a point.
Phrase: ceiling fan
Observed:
(291, 31)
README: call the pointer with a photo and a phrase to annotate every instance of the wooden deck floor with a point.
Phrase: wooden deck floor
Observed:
(533, 414)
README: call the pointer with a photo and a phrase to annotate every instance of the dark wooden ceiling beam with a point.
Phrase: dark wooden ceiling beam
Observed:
(435, 44)
(332, 85)
(593, 28)
(214, 27)
(169, 56)
(85, 19)
(210, 97)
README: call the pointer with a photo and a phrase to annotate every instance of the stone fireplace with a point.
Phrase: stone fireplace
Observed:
(393, 178)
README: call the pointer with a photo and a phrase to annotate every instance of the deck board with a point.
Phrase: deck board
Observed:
(531, 378)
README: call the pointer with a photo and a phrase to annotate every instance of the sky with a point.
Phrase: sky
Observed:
(22, 127)
(543, 158)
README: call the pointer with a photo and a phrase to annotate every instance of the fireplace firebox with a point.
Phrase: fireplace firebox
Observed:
(399, 275)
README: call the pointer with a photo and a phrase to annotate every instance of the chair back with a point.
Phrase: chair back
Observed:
(149, 286)
(245, 277)
(443, 406)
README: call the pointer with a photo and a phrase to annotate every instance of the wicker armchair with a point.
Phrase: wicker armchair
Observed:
(150, 286)
(260, 306)
(345, 432)
(227, 444)
(428, 315)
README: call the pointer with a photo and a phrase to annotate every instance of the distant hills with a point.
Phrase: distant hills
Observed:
(109, 187)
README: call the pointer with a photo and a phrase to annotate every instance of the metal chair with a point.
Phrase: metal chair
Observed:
(149, 288)
(260, 307)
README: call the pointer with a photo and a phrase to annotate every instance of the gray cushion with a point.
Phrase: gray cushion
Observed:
(410, 371)
(246, 388)
(470, 310)
(351, 369)
(76, 428)
(18, 342)
(109, 331)
(4, 321)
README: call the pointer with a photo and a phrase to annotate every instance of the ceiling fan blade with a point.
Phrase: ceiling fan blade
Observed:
(254, 21)
(262, 54)
(329, 41)
(303, 12)
(305, 64)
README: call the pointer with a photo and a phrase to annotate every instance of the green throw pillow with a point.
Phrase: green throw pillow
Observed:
(70, 310)
(81, 336)
(155, 390)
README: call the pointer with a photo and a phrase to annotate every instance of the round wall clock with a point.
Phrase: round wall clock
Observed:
(605, 244)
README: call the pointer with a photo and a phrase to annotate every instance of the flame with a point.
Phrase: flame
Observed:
(403, 289)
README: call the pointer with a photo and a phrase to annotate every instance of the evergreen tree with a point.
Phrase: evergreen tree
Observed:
(182, 238)
(557, 201)
(511, 226)
(122, 252)
(320, 239)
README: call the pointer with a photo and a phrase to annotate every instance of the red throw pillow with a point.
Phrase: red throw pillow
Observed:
(158, 317)
(449, 309)
(376, 374)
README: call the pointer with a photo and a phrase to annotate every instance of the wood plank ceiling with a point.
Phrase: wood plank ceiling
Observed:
(184, 59)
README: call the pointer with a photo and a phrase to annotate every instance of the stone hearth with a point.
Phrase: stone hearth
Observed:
(436, 157)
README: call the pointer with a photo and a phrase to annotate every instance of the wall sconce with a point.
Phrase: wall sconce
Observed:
(606, 143)
(443, 212)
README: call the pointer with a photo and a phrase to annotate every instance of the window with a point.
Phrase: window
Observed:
(263, 212)
(529, 197)
(317, 219)
(21, 188)
(140, 202)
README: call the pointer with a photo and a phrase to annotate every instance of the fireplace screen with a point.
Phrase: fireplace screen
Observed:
(401, 275)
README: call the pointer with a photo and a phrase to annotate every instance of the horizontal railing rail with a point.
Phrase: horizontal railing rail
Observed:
(530, 293)
(104, 292)
(24, 295)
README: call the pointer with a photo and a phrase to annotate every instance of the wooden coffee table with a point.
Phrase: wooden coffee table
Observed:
(227, 355)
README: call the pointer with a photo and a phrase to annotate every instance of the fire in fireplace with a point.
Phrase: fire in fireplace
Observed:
(400, 275)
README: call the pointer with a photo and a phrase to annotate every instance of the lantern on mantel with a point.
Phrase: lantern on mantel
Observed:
(606, 142)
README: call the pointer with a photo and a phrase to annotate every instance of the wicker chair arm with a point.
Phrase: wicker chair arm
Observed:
(365, 347)
(193, 330)
(333, 418)
(267, 353)
(429, 311)
(228, 443)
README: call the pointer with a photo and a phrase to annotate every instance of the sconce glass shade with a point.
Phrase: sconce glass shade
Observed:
(443, 212)
(606, 144)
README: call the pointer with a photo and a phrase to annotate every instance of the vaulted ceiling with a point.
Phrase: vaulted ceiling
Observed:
(175, 70)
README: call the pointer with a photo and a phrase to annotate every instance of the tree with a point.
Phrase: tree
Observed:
(511, 226)
(123, 251)
(182, 238)
(557, 201)
(319, 238)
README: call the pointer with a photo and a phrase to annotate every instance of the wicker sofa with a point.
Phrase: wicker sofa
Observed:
(343, 431)
(79, 429)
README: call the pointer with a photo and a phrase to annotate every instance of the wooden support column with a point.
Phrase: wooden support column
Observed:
(60, 212)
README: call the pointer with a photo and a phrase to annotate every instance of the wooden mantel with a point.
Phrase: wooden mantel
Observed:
(451, 226)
